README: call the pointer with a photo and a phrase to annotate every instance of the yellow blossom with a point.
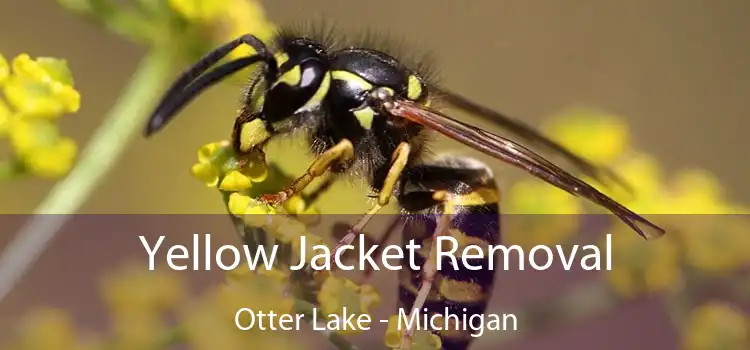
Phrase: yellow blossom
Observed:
(6, 117)
(254, 213)
(288, 229)
(209, 150)
(697, 192)
(235, 181)
(216, 160)
(205, 172)
(715, 243)
(640, 266)
(138, 330)
(597, 136)
(4, 69)
(258, 215)
(294, 205)
(41, 88)
(644, 175)
(242, 17)
(338, 293)
(238, 203)
(421, 339)
(49, 329)
(54, 161)
(716, 325)
(199, 10)
(133, 289)
(39, 145)
(205, 321)
(311, 240)
(540, 214)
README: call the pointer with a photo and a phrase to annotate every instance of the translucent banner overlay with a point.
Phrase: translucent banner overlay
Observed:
(540, 281)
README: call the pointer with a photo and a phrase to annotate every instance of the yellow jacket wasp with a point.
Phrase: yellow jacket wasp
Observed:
(367, 114)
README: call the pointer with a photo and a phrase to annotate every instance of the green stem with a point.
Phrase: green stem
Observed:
(122, 123)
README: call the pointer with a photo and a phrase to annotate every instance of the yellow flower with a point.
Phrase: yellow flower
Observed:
(640, 266)
(287, 229)
(207, 152)
(37, 92)
(294, 205)
(49, 329)
(540, 214)
(338, 293)
(537, 197)
(6, 117)
(235, 181)
(697, 192)
(206, 173)
(311, 241)
(242, 17)
(41, 88)
(39, 145)
(216, 160)
(421, 339)
(644, 175)
(715, 243)
(717, 326)
(209, 323)
(199, 10)
(597, 136)
(54, 161)
(4, 69)
(133, 289)
(238, 203)
(138, 330)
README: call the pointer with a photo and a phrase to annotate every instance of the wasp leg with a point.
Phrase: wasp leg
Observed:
(398, 163)
(456, 199)
(429, 268)
(342, 152)
(380, 242)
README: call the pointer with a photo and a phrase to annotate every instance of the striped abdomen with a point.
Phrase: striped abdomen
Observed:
(457, 291)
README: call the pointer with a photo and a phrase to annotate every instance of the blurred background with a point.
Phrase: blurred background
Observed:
(674, 71)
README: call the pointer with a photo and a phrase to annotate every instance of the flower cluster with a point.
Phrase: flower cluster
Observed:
(37, 92)
(421, 339)
(704, 233)
(717, 325)
(690, 205)
(241, 181)
(154, 310)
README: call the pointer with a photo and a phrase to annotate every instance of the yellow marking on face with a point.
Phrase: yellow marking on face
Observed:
(291, 77)
(320, 94)
(351, 78)
(365, 117)
(479, 197)
(252, 134)
(281, 58)
(413, 88)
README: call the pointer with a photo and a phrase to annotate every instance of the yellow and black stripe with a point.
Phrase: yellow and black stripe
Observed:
(472, 199)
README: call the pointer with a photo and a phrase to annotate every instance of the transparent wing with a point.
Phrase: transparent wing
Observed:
(519, 156)
(534, 137)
